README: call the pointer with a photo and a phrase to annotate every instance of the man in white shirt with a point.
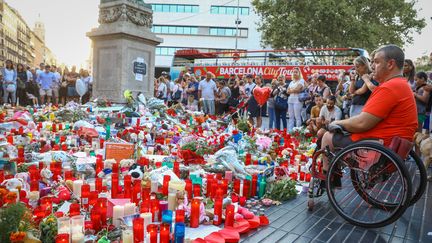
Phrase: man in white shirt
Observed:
(56, 85)
(206, 92)
(330, 112)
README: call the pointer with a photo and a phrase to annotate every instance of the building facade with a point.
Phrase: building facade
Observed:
(208, 25)
(18, 42)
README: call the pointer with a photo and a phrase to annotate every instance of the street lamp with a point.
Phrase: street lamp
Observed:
(237, 23)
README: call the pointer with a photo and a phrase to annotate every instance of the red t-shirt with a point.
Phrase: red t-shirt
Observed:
(394, 102)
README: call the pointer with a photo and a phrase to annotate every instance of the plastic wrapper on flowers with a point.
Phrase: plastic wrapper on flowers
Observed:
(155, 104)
(190, 157)
(227, 157)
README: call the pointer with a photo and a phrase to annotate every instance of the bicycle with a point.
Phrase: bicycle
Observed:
(368, 184)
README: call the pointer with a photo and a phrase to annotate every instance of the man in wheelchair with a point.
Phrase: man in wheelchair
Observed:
(389, 112)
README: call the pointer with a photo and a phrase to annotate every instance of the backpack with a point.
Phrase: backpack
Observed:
(176, 95)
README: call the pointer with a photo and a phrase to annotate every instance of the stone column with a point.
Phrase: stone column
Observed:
(123, 50)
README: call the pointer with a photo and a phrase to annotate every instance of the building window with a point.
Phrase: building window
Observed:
(228, 31)
(175, 30)
(229, 10)
(166, 51)
(175, 8)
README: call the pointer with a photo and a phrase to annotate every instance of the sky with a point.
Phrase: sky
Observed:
(68, 21)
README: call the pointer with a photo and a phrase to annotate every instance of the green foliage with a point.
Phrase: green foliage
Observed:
(10, 218)
(337, 23)
(281, 190)
(199, 147)
(48, 229)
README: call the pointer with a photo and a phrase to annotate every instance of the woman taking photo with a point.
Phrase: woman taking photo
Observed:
(280, 96)
(362, 86)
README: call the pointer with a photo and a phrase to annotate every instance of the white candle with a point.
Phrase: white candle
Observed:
(127, 236)
(118, 212)
(172, 197)
(129, 209)
(78, 237)
(77, 187)
(154, 186)
(147, 219)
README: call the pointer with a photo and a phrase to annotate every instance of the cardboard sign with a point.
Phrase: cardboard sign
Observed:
(119, 151)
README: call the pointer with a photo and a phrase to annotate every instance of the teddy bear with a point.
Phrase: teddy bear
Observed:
(426, 151)
(136, 171)
(125, 164)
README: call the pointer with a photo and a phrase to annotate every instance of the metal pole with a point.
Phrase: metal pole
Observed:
(237, 24)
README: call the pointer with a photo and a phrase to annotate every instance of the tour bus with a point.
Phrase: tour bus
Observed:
(268, 63)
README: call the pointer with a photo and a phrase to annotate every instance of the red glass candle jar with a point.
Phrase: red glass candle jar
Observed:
(138, 229)
(152, 229)
(179, 217)
(128, 186)
(85, 195)
(34, 186)
(62, 238)
(308, 177)
(217, 220)
(246, 188)
(196, 190)
(114, 185)
(209, 185)
(302, 176)
(229, 215)
(236, 186)
(195, 213)
(166, 180)
(242, 201)
(74, 209)
(98, 184)
(189, 188)
(165, 233)
(254, 185)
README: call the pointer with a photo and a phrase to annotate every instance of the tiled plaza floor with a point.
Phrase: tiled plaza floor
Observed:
(292, 222)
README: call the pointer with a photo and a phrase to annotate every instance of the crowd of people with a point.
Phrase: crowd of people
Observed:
(306, 101)
(46, 84)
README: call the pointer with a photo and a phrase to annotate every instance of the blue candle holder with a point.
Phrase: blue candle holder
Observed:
(179, 233)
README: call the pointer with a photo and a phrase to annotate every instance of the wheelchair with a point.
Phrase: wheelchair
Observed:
(368, 184)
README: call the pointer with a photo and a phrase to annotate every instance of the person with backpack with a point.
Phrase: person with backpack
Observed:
(177, 92)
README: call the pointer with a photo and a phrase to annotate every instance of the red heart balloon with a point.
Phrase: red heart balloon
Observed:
(261, 95)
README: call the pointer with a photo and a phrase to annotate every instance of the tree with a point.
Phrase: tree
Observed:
(287, 24)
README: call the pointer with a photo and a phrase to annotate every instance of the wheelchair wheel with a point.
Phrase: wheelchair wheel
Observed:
(368, 185)
(417, 173)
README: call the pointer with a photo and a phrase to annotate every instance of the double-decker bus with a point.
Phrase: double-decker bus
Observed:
(268, 63)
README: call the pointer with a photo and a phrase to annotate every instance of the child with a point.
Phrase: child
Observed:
(33, 99)
(192, 104)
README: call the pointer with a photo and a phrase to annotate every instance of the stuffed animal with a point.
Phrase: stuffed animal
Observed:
(125, 164)
(426, 151)
(46, 175)
(136, 171)
(13, 183)
(25, 177)
(108, 164)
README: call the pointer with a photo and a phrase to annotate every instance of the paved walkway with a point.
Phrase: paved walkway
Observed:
(292, 222)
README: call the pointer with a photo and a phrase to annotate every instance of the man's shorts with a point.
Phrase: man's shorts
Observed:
(47, 92)
(341, 141)
(55, 92)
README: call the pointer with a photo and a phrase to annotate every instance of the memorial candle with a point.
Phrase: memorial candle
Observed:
(127, 186)
(114, 185)
(74, 209)
(127, 236)
(188, 188)
(172, 200)
(99, 164)
(179, 217)
(165, 233)
(138, 230)
(118, 212)
(246, 187)
(153, 232)
(195, 213)
(136, 192)
(98, 184)
(179, 232)
(102, 206)
(229, 215)
(85, 195)
(166, 180)
(62, 238)
(77, 187)
(95, 218)
(217, 220)
(253, 190)
(196, 190)
(236, 186)
(147, 219)
(163, 205)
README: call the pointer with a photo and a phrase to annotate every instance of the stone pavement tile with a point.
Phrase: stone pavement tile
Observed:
(414, 230)
(260, 235)
(401, 227)
(396, 240)
(283, 219)
(355, 235)
(272, 209)
(329, 230)
(342, 233)
(277, 214)
(317, 228)
(301, 217)
(369, 236)
(382, 238)
(388, 229)
(303, 226)
(301, 239)
(288, 238)
(275, 236)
